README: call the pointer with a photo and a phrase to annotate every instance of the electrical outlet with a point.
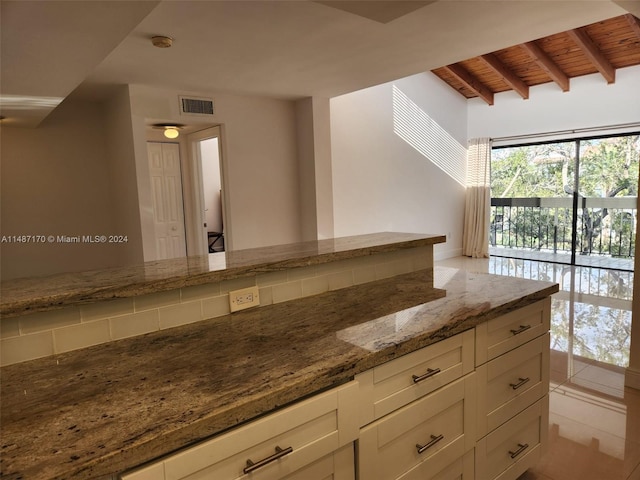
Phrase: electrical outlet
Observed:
(244, 298)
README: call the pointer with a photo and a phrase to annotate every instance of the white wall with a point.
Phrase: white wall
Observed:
(55, 181)
(259, 154)
(590, 103)
(383, 183)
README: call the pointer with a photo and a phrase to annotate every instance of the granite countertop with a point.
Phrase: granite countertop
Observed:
(104, 409)
(28, 295)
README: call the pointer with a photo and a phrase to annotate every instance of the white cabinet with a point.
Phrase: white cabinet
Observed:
(509, 450)
(424, 436)
(461, 468)
(509, 331)
(482, 411)
(418, 414)
(314, 436)
(512, 373)
(398, 382)
(510, 383)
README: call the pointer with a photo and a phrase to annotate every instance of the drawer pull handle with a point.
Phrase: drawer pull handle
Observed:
(520, 383)
(430, 373)
(432, 442)
(521, 448)
(251, 466)
(523, 328)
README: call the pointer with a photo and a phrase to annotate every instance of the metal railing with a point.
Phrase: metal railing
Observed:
(605, 226)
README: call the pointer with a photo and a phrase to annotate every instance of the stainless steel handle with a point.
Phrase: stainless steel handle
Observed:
(430, 373)
(432, 442)
(521, 448)
(521, 382)
(251, 466)
(521, 329)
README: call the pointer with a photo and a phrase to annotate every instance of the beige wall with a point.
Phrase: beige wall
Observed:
(82, 172)
(314, 160)
(55, 181)
(260, 160)
(123, 177)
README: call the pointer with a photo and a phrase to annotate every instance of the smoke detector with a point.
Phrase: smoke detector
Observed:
(161, 41)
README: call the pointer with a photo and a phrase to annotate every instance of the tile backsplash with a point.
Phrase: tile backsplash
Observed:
(44, 334)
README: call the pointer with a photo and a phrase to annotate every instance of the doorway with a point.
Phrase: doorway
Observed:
(210, 222)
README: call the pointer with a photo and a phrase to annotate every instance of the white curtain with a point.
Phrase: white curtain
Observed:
(477, 212)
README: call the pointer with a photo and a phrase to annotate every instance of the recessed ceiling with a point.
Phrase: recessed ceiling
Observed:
(49, 47)
(603, 47)
(378, 10)
(279, 49)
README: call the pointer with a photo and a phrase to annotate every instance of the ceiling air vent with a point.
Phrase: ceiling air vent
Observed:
(196, 106)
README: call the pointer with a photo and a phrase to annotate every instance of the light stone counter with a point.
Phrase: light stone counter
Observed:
(27, 295)
(101, 410)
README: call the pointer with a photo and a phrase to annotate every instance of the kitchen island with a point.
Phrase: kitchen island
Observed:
(122, 367)
(102, 410)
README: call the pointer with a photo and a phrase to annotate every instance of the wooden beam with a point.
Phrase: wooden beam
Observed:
(547, 64)
(470, 81)
(634, 23)
(593, 53)
(506, 74)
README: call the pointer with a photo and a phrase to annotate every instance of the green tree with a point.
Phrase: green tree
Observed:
(608, 168)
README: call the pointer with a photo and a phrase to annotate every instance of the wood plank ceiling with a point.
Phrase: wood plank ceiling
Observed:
(600, 47)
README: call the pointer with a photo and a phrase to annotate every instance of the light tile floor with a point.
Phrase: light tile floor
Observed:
(603, 261)
(594, 420)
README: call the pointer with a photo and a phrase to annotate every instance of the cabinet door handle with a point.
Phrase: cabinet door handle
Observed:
(521, 448)
(521, 382)
(431, 443)
(430, 373)
(522, 328)
(251, 466)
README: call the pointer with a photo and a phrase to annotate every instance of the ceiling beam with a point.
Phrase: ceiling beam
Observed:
(471, 82)
(547, 64)
(506, 74)
(634, 23)
(593, 53)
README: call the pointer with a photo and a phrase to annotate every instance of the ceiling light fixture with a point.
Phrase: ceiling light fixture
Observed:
(161, 41)
(170, 130)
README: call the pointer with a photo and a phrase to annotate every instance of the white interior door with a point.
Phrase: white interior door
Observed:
(168, 210)
(199, 224)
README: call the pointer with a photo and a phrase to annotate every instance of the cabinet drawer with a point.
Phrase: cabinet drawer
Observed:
(460, 469)
(514, 447)
(510, 383)
(502, 334)
(436, 430)
(398, 382)
(305, 432)
(340, 465)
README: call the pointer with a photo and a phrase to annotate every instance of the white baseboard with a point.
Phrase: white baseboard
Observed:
(632, 378)
(443, 255)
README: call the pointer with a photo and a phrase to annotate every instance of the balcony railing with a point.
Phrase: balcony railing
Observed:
(605, 226)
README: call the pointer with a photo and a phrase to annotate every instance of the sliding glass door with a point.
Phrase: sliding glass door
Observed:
(607, 205)
(569, 202)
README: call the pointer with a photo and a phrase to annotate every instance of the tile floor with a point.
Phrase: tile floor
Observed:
(594, 420)
(603, 261)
